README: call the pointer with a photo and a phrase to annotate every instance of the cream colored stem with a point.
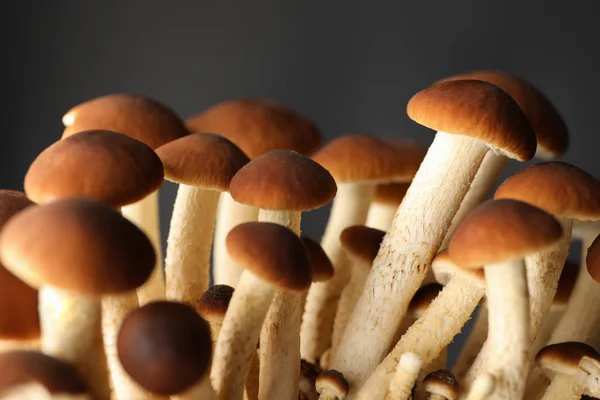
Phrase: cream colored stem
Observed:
(406, 374)
(430, 334)
(482, 388)
(508, 307)
(188, 248)
(36, 391)
(473, 344)
(438, 363)
(380, 216)
(71, 331)
(239, 335)
(480, 189)
(350, 207)
(434, 396)
(230, 214)
(11, 345)
(289, 219)
(251, 389)
(201, 391)
(564, 387)
(146, 215)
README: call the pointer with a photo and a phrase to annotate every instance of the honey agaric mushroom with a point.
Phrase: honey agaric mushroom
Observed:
(331, 385)
(150, 122)
(203, 165)
(257, 126)
(77, 251)
(471, 117)
(274, 257)
(212, 306)
(441, 385)
(166, 348)
(358, 162)
(402, 384)
(383, 207)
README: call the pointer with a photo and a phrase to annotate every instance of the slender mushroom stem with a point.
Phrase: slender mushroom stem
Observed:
(188, 249)
(473, 344)
(253, 379)
(564, 387)
(381, 216)
(406, 374)
(289, 219)
(482, 388)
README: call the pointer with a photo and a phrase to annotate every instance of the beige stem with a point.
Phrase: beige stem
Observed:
(380, 216)
(146, 215)
(230, 213)
(407, 251)
(438, 363)
(473, 344)
(480, 189)
(201, 391)
(434, 396)
(350, 207)
(406, 374)
(11, 345)
(289, 219)
(537, 382)
(508, 307)
(251, 389)
(72, 332)
(548, 326)
(36, 391)
(564, 387)
(482, 388)
(188, 248)
(239, 335)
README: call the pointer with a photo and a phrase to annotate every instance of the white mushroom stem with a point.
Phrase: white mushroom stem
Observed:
(10, 345)
(430, 334)
(239, 335)
(289, 219)
(145, 214)
(564, 387)
(380, 216)
(230, 214)
(252, 380)
(188, 248)
(72, 332)
(203, 390)
(473, 344)
(405, 255)
(350, 207)
(406, 374)
(482, 388)
(36, 391)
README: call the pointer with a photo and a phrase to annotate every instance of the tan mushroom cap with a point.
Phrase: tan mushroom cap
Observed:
(100, 165)
(423, 298)
(258, 126)
(593, 260)
(56, 376)
(550, 129)
(501, 230)
(137, 116)
(444, 269)
(390, 194)
(564, 358)
(334, 381)
(362, 242)
(559, 188)
(442, 383)
(202, 159)
(214, 302)
(568, 278)
(477, 109)
(78, 245)
(165, 347)
(272, 252)
(366, 158)
(283, 180)
(322, 268)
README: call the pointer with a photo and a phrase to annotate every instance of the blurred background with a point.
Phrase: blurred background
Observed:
(350, 66)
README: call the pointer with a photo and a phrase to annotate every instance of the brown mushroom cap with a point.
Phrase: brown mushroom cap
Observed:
(366, 158)
(477, 109)
(500, 230)
(423, 298)
(568, 278)
(23, 367)
(556, 187)
(442, 383)
(322, 269)
(101, 165)
(390, 194)
(165, 347)
(78, 245)
(272, 252)
(444, 269)
(362, 242)
(593, 260)
(214, 302)
(334, 381)
(564, 358)
(202, 159)
(258, 126)
(139, 117)
(283, 180)
(550, 129)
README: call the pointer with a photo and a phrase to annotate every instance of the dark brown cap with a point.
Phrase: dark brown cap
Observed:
(322, 269)
(501, 230)
(593, 260)
(272, 252)
(564, 358)
(423, 298)
(477, 109)
(362, 242)
(334, 382)
(366, 158)
(100, 165)
(56, 376)
(165, 347)
(444, 269)
(202, 159)
(549, 127)
(559, 188)
(442, 383)
(390, 194)
(258, 126)
(78, 245)
(568, 278)
(283, 180)
(139, 117)
(214, 302)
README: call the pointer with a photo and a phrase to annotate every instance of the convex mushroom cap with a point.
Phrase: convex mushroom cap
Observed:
(362, 242)
(444, 269)
(593, 260)
(442, 383)
(564, 358)
(423, 299)
(214, 302)
(322, 269)
(334, 383)
(390, 194)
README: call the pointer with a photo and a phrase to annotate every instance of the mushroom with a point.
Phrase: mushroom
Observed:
(331, 385)
(471, 117)
(483, 386)
(473, 344)
(383, 207)
(441, 385)
(166, 348)
(402, 384)
(308, 378)
(274, 257)
(213, 305)
(203, 165)
(358, 162)
(150, 122)
(257, 126)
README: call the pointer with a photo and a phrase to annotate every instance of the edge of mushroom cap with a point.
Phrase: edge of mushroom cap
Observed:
(593, 260)
(564, 358)
(566, 283)
(215, 301)
(442, 382)
(362, 242)
(321, 266)
(444, 268)
(423, 298)
(333, 380)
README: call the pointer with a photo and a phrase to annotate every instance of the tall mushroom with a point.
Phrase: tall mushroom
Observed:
(203, 165)
(358, 162)
(213, 305)
(386, 199)
(257, 126)
(150, 122)
(77, 251)
(471, 117)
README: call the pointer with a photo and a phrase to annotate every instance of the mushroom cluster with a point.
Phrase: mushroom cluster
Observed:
(244, 306)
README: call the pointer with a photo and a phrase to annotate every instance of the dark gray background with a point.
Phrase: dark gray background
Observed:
(351, 66)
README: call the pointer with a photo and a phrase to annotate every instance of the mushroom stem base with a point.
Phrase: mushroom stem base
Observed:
(564, 387)
(402, 384)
